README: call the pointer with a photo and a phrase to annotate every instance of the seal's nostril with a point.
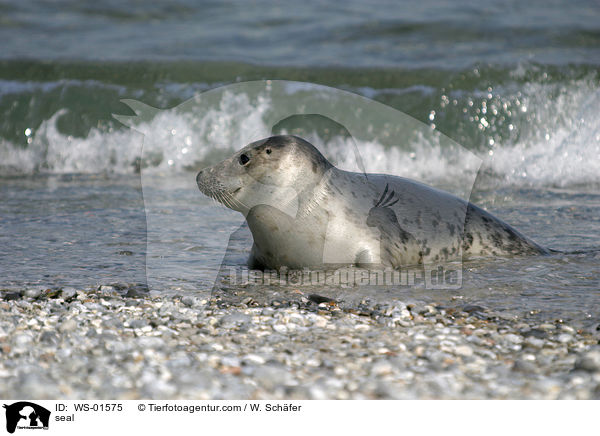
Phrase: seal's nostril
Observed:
(198, 176)
(244, 159)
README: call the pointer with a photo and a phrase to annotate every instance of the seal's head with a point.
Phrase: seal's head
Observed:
(265, 171)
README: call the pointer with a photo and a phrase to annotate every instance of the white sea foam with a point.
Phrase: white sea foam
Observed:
(561, 146)
(563, 143)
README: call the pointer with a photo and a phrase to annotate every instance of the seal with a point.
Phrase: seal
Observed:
(303, 212)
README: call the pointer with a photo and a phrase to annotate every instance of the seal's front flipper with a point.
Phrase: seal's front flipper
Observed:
(254, 260)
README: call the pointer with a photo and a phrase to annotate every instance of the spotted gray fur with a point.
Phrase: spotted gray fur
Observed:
(304, 212)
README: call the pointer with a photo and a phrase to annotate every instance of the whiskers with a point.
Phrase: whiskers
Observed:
(227, 199)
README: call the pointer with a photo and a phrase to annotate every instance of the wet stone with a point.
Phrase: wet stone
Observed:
(69, 294)
(32, 293)
(524, 366)
(564, 338)
(512, 338)
(536, 333)
(589, 361)
(11, 296)
(534, 342)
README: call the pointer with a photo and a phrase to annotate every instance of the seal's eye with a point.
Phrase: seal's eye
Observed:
(268, 151)
(244, 159)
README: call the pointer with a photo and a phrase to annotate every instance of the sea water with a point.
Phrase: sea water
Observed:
(516, 84)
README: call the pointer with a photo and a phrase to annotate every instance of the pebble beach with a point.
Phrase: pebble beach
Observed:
(115, 343)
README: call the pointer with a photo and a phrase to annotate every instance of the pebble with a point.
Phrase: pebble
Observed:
(515, 339)
(534, 342)
(254, 358)
(139, 324)
(189, 301)
(589, 361)
(382, 368)
(150, 342)
(49, 337)
(32, 293)
(68, 293)
(565, 338)
(233, 319)
(68, 326)
(524, 366)
(280, 328)
(11, 296)
(463, 350)
(22, 340)
(271, 377)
